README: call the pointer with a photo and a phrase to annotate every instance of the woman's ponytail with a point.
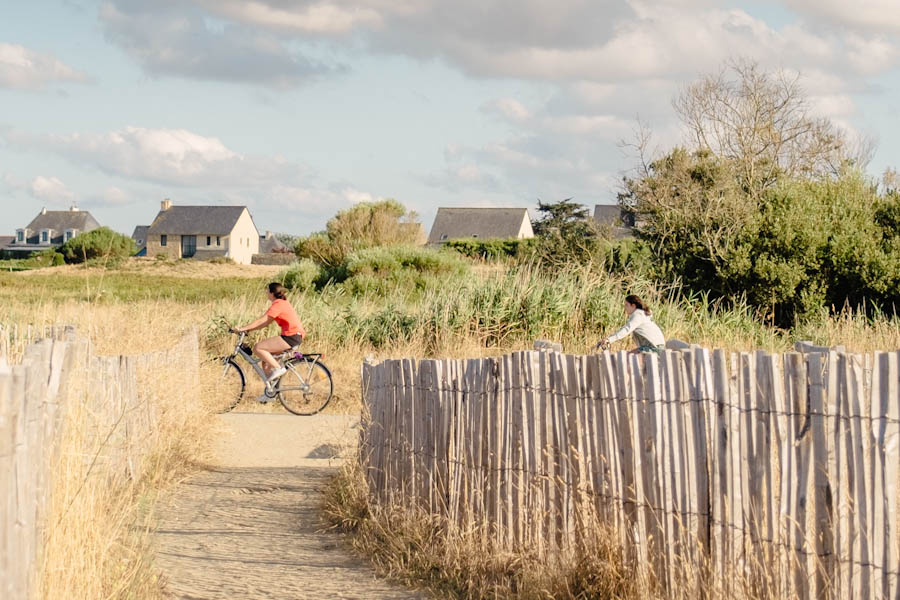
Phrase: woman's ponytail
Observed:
(277, 290)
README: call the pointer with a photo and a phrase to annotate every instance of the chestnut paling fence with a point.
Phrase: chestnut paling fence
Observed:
(43, 373)
(773, 475)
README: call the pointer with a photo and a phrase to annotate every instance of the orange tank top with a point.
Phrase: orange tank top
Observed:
(286, 317)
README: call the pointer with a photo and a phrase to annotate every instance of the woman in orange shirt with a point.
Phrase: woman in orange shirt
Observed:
(292, 332)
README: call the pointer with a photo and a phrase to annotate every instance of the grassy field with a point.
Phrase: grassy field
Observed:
(484, 310)
(478, 310)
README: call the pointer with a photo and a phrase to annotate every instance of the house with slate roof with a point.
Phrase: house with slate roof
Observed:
(454, 223)
(619, 221)
(140, 239)
(51, 229)
(202, 233)
(270, 244)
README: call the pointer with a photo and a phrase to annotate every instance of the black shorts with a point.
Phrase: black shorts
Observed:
(293, 340)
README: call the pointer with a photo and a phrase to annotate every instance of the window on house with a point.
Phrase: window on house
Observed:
(218, 241)
(474, 235)
(45, 237)
(163, 240)
(20, 236)
(443, 236)
(70, 233)
(209, 240)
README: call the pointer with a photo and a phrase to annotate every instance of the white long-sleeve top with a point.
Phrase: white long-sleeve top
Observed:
(642, 327)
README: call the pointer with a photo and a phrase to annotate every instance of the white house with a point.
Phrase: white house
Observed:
(453, 223)
(50, 229)
(203, 232)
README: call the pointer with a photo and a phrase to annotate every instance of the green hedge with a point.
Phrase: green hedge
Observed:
(491, 248)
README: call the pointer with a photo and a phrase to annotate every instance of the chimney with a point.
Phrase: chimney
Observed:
(268, 235)
(44, 210)
(165, 205)
(74, 207)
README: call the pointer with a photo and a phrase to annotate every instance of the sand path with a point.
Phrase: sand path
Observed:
(249, 526)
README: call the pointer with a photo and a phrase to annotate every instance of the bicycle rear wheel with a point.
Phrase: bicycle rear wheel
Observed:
(230, 386)
(306, 388)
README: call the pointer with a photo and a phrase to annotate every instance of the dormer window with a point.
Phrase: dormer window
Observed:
(443, 236)
(45, 236)
(70, 233)
(20, 236)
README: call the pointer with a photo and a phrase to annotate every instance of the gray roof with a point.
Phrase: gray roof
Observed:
(268, 245)
(59, 221)
(476, 222)
(608, 214)
(140, 234)
(196, 220)
(6, 240)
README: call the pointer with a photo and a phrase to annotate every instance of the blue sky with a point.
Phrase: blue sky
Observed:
(298, 108)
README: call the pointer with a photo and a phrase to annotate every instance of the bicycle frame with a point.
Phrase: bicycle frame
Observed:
(248, 357)
(257, 363)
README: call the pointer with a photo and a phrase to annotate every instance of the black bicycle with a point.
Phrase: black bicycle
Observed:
(304, 389)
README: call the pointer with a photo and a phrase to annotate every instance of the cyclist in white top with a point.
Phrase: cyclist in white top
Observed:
(647, 334)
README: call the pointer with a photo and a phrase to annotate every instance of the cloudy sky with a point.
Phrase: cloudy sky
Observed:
(298, 108)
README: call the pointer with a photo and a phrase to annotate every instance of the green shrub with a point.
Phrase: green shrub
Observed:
(384, 270)
(99, 243)
(300, 276)
(364, 225)
(221, 260)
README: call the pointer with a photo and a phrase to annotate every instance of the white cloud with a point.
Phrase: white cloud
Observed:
(874, 15)
(317, 18)
(354, 196)
(510, 108)
(111, 196)
(21, 68)
(169, 156)
(201, 168)
(50, 189)
(178, 40)
(464, 176)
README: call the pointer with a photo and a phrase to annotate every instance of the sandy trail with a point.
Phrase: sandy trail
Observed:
(249, 526)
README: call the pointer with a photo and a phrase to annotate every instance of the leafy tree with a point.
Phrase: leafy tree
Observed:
(565, 232)
(102, 242)
(804, 245)
(365, 225)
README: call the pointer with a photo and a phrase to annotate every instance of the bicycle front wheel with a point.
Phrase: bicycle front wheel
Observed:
(306, 388)
(230, 386)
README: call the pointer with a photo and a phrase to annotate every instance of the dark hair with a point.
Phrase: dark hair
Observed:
(636, 301)
(277, 290)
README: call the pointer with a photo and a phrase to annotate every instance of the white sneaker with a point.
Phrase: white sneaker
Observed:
(276, 374)
(263, 398)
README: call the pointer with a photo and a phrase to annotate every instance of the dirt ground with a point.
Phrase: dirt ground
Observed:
(190, 269)
(249, 526)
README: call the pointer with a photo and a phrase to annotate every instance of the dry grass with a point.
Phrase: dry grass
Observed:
(421, 550)
(97, 536)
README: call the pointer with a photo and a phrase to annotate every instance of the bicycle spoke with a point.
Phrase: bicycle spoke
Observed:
(306, 387)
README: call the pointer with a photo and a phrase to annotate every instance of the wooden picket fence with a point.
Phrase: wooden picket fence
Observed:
(751, 474)
(55, 372)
